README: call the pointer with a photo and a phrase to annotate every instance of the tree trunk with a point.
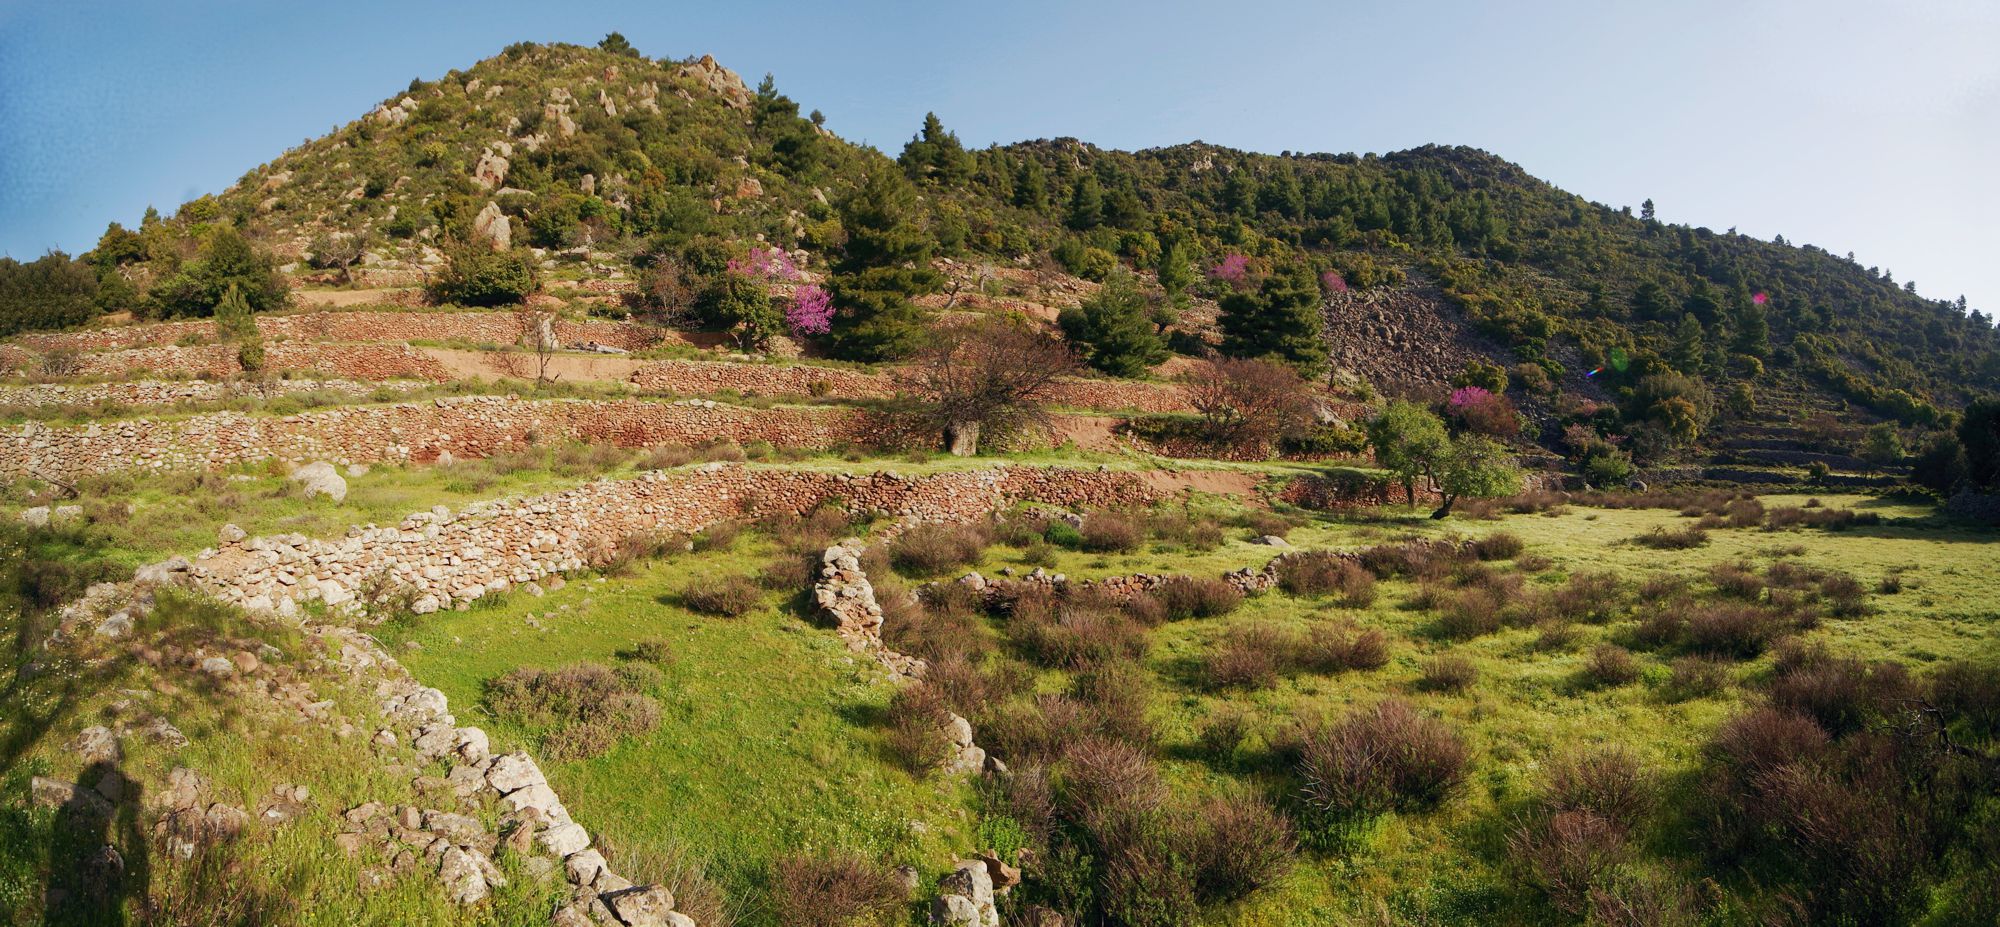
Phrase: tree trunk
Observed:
(1445, 509)
(962, 438)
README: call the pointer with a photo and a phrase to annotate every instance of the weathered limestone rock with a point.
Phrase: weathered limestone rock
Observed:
(96, 744)
(493, 226)
(320, 479)
(642, 906)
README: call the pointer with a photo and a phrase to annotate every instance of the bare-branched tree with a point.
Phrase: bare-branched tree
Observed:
(1248, 403)
(986, 379)
(538, 334)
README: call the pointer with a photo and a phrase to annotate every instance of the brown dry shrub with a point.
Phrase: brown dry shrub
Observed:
(1565, 854)
(1447, 672)
(1500, 545)
(838, 889)
(1249, 658)
(1470, 613)
(1696, 677)
(1103, 784)
(1737, 581)
(1729, 629)
(582, 709)
(726, 597)
(930, 549)
(719, 536)
(1608, 782)
(1554, 634)
(1968, 691)
(1240, 845)
(1591, 597)
(1686, 538)
(1610, 665)
(1323, 572)
(1224, 731)
(1075, 637)
(917, 716)
(1389, 756)
(1197, 597)
(1842, 695)
(1105, 532)
(1334, 648)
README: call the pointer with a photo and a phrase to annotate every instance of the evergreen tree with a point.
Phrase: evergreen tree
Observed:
(935, 156)
(1409, 441)
(1175, 270)
(1031, 185)
(1753, 329)
(50, 292)
(1646, 210)
(1688, 347)
(225, 259)
(886, 263)
(617, 45)
(1279, 320)
(1650, 301)
(1113, 329)
(1086, 204)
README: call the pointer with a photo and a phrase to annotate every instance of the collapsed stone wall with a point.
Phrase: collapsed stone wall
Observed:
(1347, 491)
(170, 392)
(464, 427)
(220, 361)
(445, 558)
(358, 325)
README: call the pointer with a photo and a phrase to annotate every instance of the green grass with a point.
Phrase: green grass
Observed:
(769, 740)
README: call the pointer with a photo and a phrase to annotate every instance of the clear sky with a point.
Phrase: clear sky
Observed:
(1871, 127)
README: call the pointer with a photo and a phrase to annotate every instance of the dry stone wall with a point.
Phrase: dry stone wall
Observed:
(445, 558)
(465, 427)
(170, 392)
(679, 376)
(369, 326)
(219, 361)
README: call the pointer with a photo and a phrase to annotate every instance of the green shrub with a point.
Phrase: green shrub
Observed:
(475, 275)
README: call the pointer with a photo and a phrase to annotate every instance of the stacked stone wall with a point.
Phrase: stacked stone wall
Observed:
(446, 558)
(369, 326)
(680, 376)
(221, 361)
(465, 427)
(170, 392)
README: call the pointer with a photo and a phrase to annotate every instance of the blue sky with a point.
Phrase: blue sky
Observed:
(1858, 126)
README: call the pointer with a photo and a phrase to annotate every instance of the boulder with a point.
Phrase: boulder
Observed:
(493, 226)
(464, 882)
(117, 625)
(96, 744)
(642, 906)
(513, 771)
(564, 839)
(320, 479)
(36, 517)
(231, 534)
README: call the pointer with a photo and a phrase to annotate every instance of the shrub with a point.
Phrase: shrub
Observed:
(833, 890)
(1610, 665)
(728, 597)
(1686, 538)
(1968, 692)
(1606, 782)
(1382, 758)
(581, 710)
(791, 572)
(475, 275)
(1322, 572)
(1470, 613)
(1262, 523)
(1186, 597)
(654, 650)
(1841, 695)
(1565, 854)
(1592, 597)
(1554, 634)
(1447, 673)
(1118, 695)
(1736, 581)
(1499, 545)
(1063, 534)
(930, 549)
(1240, 845)
(1102, 784)
(1248, 658)
(1075, 637)
(1224, 731)
(917, 718)
(1696, 677)
(1104, 532)
(1330, 648)
(1729, 629)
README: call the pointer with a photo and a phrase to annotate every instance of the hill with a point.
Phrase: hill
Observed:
(608, 162)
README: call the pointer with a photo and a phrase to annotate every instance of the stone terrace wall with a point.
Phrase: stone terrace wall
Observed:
(451, 558)
(466, 427)
(478, 327)
(679, 376)
(169, 392)
(218, 361)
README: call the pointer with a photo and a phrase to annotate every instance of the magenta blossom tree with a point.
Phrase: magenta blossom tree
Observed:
(811, 311)
(1332, 282)
(1468, 396)
(1233, 270)
(766, 264)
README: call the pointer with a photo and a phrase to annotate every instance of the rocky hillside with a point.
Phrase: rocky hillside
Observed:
(602, 159)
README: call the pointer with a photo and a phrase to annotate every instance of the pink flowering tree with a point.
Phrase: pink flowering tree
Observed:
(1234, 270)
(766, 264)
(1465, 396)
(810, 311)
(1332, 282)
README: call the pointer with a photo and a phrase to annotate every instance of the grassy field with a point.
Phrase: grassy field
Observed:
(769, 740)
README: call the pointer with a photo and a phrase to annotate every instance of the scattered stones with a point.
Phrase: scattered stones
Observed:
(320, 479)
(96, 744)
(231, 534)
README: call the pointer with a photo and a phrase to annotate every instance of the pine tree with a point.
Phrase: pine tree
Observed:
(1175, 270)
(1279, 320)
(1113, 329)
(885, 264)
(934, 155)
(1086, 204)
(616, 44)
(1753, 329)
(1688, 347)
(1646, 210)
(1031, 185)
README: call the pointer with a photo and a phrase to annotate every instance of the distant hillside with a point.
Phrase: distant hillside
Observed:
(616, 157)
